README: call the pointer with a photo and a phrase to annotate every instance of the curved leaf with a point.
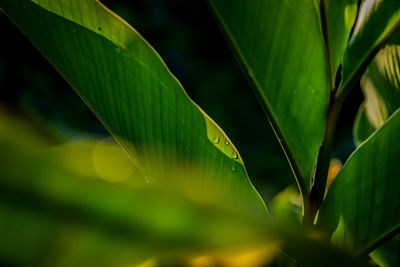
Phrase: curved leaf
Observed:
(339, 17)
(281, 47)
(377, 21)
(362, 128)
(127, 85)
(381, 84)
(363, 201)
(381, 87)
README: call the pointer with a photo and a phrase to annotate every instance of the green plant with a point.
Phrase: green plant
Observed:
(291, 52)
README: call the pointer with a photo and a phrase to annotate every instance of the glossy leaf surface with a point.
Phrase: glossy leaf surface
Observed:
(363, 201)
(127, 85)
(377, 21)
(281, 48)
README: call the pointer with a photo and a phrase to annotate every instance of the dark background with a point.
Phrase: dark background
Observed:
(189, 40)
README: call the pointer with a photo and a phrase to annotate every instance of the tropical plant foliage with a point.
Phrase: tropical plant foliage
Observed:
(171, 188)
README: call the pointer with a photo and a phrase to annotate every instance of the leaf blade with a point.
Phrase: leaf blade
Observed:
(125, 82)
(365, 196)
(273, 40)
(377, 22)
(339, 19)
(381, 87)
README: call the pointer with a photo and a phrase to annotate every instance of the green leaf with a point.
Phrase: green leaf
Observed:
(377, 21)
(381, 85)
(363, 201)
(362, 128)
(388, 254)
(281, 48)
(339, 16)
(62, 209)
(125, 82)
(381, 88)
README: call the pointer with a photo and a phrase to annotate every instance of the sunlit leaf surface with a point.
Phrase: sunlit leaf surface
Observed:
(281, 47)
(363, 201)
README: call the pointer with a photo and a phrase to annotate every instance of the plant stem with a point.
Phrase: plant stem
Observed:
(324, 157)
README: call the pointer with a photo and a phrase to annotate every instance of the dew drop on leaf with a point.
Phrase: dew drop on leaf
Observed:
(234, 155)
(217, 139)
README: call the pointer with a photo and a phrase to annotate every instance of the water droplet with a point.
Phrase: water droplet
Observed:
(226, 142)
(217, 139)
(234, 155)
(233, 168)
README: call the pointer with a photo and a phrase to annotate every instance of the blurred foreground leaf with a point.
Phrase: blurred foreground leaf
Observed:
(55, 212)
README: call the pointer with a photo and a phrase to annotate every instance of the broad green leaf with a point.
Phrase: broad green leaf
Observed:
(363, 201)
(381, 87)
(377, 21)
(281, 47)
(339, 17)
(362, 127)
(55, 212)
(125, 82)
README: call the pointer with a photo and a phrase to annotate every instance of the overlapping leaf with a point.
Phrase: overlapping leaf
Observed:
(377, 21)
(130, 89)
(363, 202)
(362, 127)
(381, 87)
(281, 47)
(339, 17)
